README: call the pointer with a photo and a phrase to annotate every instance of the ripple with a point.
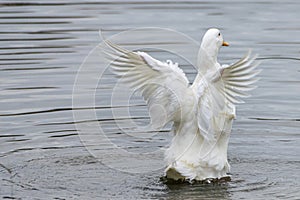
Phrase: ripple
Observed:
(278, 58)
(245, 186)
(27, 68)
(273, 119)
(63, 135)
(30, 23)
(11, 135)
(36, 39)
(32, 88)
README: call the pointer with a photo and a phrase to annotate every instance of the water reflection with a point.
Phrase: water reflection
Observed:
(198, 190)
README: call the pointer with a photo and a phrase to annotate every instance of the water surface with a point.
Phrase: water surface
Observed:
(43, 44)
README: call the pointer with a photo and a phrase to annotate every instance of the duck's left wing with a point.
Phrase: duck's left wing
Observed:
(163, 85)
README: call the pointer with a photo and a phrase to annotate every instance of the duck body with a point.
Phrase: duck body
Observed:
(202, 113)
(191, 156)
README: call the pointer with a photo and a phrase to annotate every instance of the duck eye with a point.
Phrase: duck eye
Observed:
(219, 34)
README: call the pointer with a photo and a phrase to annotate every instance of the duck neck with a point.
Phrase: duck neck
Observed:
(207, 60)
(207, 57)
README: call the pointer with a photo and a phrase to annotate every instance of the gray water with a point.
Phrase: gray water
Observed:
(43, 44)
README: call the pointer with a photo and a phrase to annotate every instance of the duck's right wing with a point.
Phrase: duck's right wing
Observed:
(163, 85)
(220, 90)
(239, 77)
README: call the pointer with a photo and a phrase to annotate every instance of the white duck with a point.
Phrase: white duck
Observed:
(202, 113)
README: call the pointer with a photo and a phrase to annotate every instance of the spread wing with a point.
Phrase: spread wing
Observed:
(220, 90)
(163, 85)
(239, 77)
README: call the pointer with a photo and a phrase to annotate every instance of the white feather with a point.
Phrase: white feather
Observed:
(202, 114)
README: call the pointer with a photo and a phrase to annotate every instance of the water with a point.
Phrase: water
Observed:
(43, 44)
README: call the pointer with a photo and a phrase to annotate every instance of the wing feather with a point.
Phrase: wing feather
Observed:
(239, 77)
(225, 88)
(160, 83)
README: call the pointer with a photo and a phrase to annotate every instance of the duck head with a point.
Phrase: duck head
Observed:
(211, 43)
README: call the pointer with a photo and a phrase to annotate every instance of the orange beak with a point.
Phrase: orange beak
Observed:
(226, 44)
